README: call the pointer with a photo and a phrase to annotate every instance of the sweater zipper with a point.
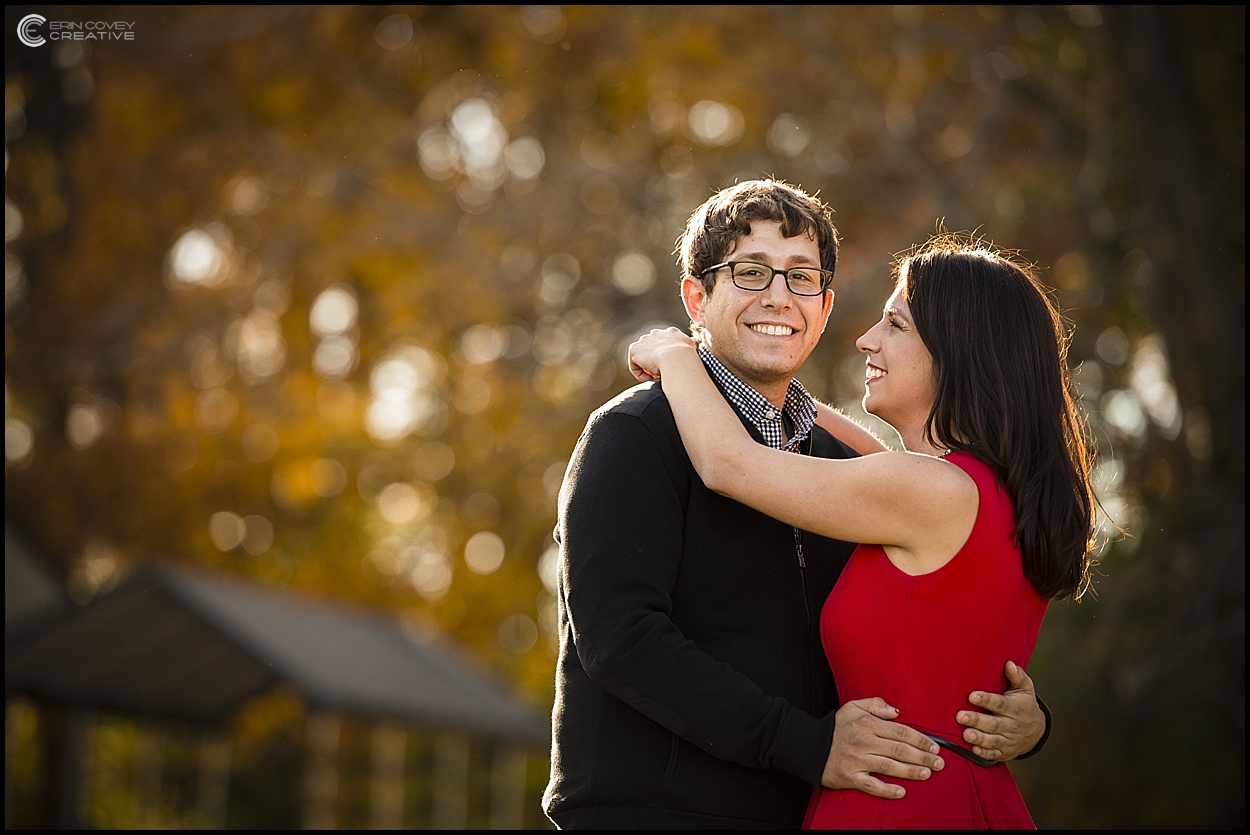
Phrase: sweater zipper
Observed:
(807, 612)
(805, 448)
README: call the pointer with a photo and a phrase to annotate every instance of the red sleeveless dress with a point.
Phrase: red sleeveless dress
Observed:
(923, 644)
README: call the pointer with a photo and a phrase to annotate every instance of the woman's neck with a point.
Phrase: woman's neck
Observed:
(915, 440)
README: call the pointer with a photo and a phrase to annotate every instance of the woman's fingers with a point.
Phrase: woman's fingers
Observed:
(644, 354)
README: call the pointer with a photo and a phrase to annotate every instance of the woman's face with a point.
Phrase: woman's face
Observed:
(899, 384)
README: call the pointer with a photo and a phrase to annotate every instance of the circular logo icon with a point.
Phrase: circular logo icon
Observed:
(26, 30)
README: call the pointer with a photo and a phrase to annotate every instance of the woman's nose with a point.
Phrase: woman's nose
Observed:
(867, 343)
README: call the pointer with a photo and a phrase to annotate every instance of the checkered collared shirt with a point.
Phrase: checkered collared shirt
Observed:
(799, 407)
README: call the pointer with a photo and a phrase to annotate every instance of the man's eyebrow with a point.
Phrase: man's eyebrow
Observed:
(761, 256)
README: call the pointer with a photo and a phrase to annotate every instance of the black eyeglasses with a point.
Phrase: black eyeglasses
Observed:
(756, 277)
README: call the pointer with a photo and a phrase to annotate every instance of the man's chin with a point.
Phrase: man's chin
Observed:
(769, 373)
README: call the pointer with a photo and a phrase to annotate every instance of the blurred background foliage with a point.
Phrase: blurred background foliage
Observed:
(323, 296)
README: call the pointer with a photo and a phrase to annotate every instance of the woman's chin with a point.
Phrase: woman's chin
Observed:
(869, 407)
(872, 409)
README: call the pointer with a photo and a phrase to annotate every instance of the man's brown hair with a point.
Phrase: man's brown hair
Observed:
(717, 226)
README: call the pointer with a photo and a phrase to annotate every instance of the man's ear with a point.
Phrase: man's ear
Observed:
(694, 297)
(827, 306)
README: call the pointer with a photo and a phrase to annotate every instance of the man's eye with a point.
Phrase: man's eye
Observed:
(750, 271)
(804, 278)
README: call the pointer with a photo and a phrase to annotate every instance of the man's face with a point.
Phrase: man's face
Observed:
(763, 337)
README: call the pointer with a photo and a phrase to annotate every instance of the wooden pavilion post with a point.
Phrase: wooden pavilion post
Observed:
(215, 755)
(507, 787)
(389, 745)
(451, 781)
(321, 772)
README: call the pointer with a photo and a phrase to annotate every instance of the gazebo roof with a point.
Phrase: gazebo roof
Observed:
(184, 643)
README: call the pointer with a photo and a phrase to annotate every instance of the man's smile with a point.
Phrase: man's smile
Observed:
(772, 330)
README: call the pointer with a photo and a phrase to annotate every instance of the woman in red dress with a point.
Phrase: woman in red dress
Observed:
(985, 517)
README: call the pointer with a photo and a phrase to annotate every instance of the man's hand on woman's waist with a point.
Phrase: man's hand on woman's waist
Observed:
(867, 741)
(1013, 723)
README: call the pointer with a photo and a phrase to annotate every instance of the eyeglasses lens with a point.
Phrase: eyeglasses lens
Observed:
(802, 281)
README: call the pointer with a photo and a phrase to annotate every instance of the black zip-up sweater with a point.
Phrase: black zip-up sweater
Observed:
(691, 689)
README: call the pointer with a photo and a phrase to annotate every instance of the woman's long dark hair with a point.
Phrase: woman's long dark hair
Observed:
(1004, 395)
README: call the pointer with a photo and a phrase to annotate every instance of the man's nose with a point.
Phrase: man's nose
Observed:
(777, 293)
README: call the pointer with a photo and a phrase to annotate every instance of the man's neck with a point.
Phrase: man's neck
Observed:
(773, 391)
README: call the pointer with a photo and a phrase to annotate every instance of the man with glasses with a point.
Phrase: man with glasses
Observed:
(691, 688)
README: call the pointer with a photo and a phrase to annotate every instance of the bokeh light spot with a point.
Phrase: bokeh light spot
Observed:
(19, 440)
(1112, 346)
(329, 477)
(248, 196)
(258, 535)
(334, 312)
(714, 123)
(96, 570)
(484, 343)
(215, 410)
(1152, 383)
(549, 568)
(525, 158)
(484, 552)
(399, 503)
(1123, 411)
(393, 32)
(83, 425)
(544, 24)
(197, 258)
(633, 273)
(789, 135)
(334, 358)
(256, 343)
(227, 530)
(517, 633)
(434, 460)
(13, 222)
(260, 442)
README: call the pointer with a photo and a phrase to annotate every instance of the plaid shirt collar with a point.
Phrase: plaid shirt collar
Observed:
(799, 407)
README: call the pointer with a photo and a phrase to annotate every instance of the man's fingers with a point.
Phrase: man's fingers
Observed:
(878, 707)
(864, 744)
(871, 785)
(994, 754)
(1018, 678)
(890, 767)
(992, 702)
(985, 722)
(913, 743)
(983, 740)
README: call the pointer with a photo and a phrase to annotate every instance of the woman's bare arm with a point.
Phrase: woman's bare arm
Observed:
(922, 506)
(848, 431)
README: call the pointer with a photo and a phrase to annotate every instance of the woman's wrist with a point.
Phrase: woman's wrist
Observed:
(672, 356)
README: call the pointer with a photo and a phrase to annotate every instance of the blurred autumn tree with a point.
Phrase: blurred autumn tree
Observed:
(324, 296)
